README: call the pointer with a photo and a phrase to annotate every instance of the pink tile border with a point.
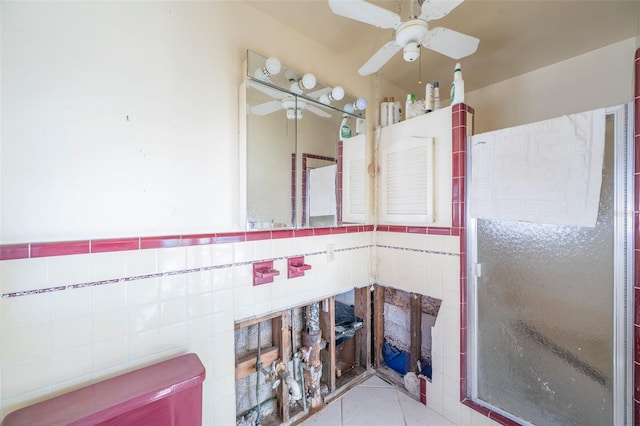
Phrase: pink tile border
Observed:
(65, 248)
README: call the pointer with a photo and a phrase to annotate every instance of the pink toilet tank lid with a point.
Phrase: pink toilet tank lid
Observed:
(109, 398)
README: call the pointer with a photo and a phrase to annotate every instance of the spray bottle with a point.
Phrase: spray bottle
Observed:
(457, 86)
(345, 130)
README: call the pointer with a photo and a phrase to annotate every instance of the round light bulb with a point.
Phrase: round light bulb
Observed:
(272, 65)
(324, 99)
(348, 108)
(337, 93)
(361, 104)
(308, 81)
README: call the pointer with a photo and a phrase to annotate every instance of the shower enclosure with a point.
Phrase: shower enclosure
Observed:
(550, 307)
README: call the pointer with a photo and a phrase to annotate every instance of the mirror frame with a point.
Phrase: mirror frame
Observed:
(284, 81)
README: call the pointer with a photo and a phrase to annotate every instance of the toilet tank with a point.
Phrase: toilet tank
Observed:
(168, 393)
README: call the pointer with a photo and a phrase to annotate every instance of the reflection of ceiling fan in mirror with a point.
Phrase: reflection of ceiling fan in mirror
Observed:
(409, 35)
(282, 100)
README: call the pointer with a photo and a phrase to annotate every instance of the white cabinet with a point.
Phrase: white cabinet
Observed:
(354, 207)
(416, 171)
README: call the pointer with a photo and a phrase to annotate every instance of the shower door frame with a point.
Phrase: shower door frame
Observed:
(623, 342)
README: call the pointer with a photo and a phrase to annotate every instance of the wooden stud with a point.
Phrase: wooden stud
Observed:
(415, 316)
(282, 340)
(328, 355)
(362, 309)
(246, 365)
(378, 325)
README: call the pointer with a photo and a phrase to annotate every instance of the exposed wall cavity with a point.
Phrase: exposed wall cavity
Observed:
(397, 322)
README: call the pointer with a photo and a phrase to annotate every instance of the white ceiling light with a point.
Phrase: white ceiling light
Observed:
(272, 66)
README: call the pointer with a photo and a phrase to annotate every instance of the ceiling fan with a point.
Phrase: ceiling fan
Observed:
(282, 100)
(409, 35)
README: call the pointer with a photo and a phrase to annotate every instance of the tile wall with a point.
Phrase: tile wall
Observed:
(70, 319)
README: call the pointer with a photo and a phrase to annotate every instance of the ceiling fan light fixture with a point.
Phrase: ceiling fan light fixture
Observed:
(411, 51)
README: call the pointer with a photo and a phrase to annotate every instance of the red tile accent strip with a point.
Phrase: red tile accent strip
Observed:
(14, 251)
(196, 240)
(160, 242)
(230, 237)
(102, 246)
(64, 248)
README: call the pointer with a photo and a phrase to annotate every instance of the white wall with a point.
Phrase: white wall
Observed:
(600, 78)
(73, 166)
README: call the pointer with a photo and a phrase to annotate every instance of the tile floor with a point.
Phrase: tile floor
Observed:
(376, 402)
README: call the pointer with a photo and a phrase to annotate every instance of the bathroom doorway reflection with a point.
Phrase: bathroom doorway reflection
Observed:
(550, 308)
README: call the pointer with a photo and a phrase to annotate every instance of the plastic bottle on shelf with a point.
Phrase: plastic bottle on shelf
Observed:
(397, 112)
(457, 86)
(345, 130)
(436, 95)
(408, 107)
(390, 111)
(428, 98)
(384, 112)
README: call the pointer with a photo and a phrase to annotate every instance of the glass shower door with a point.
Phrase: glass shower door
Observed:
(544, 315)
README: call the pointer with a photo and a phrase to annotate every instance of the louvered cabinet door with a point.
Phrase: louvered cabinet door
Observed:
(407, 182)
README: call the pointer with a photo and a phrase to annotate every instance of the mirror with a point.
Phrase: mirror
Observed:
(302, 150)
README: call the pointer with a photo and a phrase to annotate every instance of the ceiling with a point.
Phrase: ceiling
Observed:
(516, 36)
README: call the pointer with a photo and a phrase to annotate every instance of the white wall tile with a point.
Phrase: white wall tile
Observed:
(144, 343)
(25, 376)
(199, 256)
(105, 266)
(243, 252)
(200, 328)
(174, 336)
(223, 300)
(23, 274)
(70, 303)
(172, 259)
(141, 262)
(110, 325)
(243, 275)
(29, 342)
(173, 311)
(172, 286)
(223, 254)
(199, 282)
(143, 317)
(201, 304)
(25, 310)
(70, 363)
(107, 297)
(142, 291)
(262, 249)
(222, 278)
(64, 270)
(70, 333)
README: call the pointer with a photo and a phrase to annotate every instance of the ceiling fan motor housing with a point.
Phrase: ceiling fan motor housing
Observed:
(410, 35)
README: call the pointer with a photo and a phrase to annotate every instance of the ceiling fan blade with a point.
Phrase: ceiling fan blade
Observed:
(436, 9)
(368, 13)
(317, 111)
(450, 43)
(274, 93)
(380, 58)
(317, 93)
(266, 108)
